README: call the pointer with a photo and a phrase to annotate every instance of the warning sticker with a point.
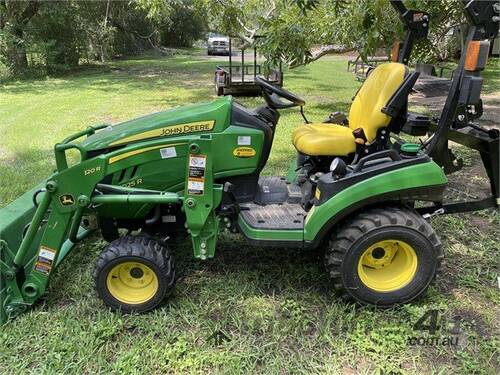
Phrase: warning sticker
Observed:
(196, 186)
(197, 165)
(168, 152)
(196, 175)
(47, 253)
(198, 161)
(45, 260)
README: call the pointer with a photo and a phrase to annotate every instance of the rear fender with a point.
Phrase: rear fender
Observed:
(417, 182)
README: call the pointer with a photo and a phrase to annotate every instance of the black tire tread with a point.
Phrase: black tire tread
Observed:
(342, 240)
(139, 246)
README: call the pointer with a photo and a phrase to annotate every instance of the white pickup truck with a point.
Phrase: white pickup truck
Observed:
(218, 45)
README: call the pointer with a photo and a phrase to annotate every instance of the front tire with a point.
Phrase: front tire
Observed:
(134, 274)
(384, 257)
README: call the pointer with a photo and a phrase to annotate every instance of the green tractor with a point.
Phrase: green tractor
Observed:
(355, 188)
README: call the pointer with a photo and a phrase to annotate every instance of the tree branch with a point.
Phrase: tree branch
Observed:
(28, 13)
(147, 38)
(3, 10)
(249, 39)
(322, 51)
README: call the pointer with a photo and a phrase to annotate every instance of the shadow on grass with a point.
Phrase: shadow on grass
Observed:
(141, 74)
(271, 270)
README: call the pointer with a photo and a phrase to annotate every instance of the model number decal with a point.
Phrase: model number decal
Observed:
(92, 170)
(133, 183)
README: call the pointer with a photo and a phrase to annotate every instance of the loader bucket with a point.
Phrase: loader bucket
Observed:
(13, 220)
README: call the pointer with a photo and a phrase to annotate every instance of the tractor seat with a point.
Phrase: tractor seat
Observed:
(324, 139)
(365, 112)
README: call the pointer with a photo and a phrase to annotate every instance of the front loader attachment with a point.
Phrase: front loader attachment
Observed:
(40, 228)
(14, 221)
(34, 239)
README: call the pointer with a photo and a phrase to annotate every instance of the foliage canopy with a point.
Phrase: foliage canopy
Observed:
(56, 34)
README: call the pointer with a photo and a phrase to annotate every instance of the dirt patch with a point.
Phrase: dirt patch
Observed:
(483, 224)
(474, 321)
(435, 104)
(491, 108)
(469, 183)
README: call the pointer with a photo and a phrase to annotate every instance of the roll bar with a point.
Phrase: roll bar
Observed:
(417, 27)
(463, 103)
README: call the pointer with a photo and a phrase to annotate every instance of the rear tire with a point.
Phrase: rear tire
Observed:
(134, 274)
(384, 257)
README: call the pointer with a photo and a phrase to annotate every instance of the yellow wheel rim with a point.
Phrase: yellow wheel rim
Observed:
(388, 265)
(132, 283)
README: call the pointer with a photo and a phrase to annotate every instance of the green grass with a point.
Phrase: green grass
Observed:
(274, 305)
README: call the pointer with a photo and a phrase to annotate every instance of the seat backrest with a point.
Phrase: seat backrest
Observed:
(374, 94)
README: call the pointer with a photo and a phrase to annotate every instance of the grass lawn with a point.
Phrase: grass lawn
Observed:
(274, 307)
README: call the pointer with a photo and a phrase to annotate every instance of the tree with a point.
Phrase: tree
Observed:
(187, 24)
(15, 16)
(301, 31)
(59, 34)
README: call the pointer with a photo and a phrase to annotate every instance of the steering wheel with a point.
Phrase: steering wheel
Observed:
(272, 94)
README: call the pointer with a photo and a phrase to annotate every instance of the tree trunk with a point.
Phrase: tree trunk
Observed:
(16, 51)
(16, 48)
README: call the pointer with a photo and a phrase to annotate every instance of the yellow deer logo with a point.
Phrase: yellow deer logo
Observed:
(67, 200)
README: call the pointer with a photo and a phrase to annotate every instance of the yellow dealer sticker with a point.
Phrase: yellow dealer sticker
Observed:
(244, 152)
(168, 131)
(317, 194)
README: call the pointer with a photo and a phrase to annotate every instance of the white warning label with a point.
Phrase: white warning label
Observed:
(196, 186)
(196, 175)
(45, 259)
(244, 140)
(168, 152)
(197, 161)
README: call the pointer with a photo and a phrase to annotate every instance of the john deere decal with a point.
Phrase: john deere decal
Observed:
(167, 131)
(67, 200)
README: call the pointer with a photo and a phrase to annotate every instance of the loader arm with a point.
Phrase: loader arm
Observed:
(41, 227)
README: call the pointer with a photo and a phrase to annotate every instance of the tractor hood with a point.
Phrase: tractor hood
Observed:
(192, 119)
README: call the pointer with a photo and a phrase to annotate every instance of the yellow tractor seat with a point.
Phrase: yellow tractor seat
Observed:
(324, 139)
(366, 112)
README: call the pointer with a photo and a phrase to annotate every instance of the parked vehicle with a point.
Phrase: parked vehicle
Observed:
(218, 45)
(239, 78)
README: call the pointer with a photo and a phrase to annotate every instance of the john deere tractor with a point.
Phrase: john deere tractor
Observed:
(356, 189)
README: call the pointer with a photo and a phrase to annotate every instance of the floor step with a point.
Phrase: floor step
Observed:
(273, 216)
